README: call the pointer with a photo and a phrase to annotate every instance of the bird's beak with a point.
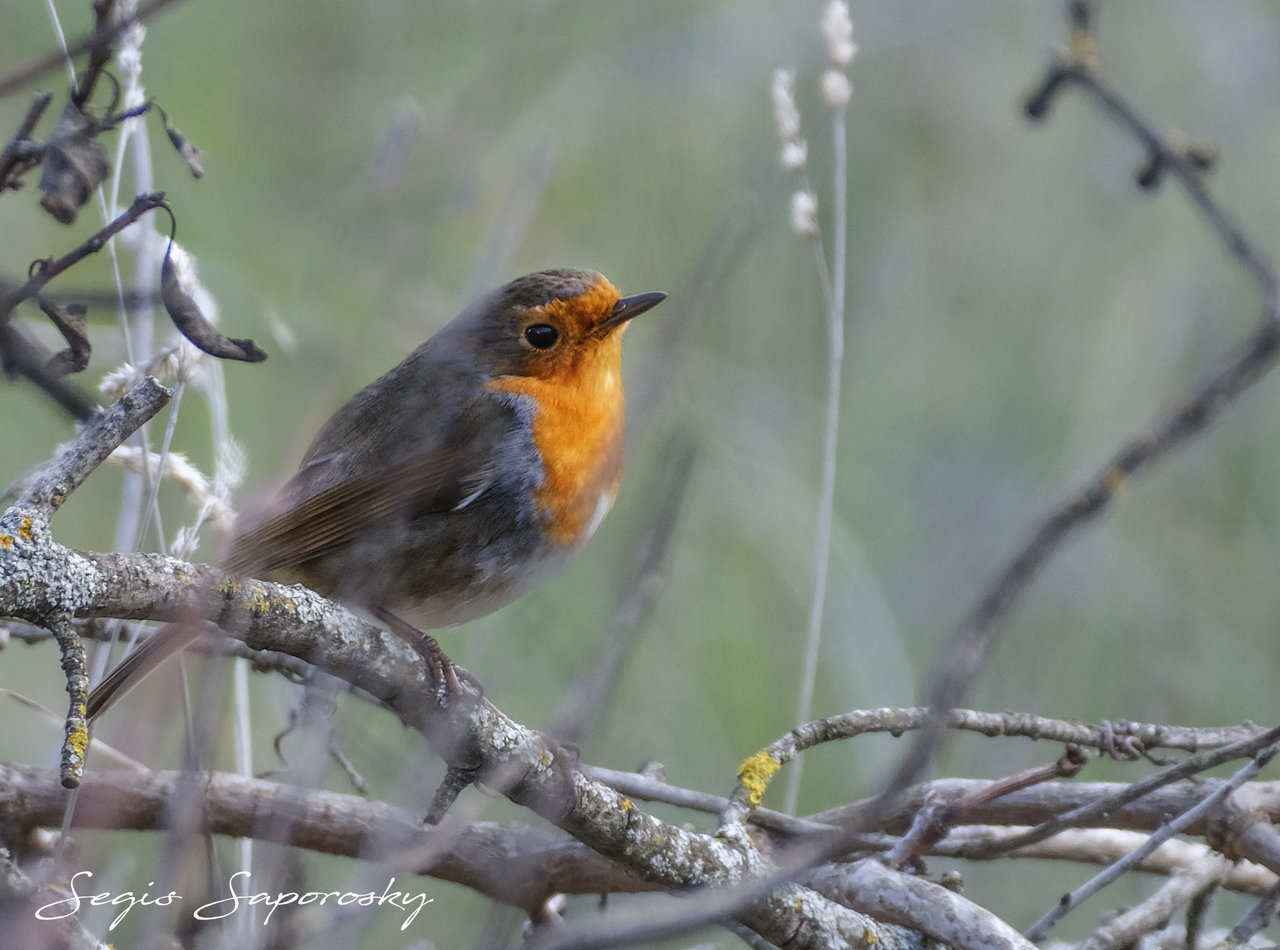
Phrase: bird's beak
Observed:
(629, 307)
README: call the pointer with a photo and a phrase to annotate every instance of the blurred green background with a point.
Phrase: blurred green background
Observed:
(1017, 309)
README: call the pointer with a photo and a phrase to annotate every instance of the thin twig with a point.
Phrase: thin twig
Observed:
(1259, 916)
(650, 789)
(99, 53)
(21, 153)
(1181, 890)
(22, 357)
(46, 270)
(1174, 773)
(1103, 846)
(758, 769)
(932, 823)
(76, 731)
(973, 639)
(20, 76)
(1165, 153)
(1040, 929)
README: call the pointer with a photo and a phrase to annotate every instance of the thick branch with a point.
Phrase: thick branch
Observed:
(914, 902)
(39, 579)
(515, 864)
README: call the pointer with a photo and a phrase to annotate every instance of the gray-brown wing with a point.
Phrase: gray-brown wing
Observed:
(317, 513)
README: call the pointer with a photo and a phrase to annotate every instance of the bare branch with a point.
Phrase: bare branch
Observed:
(76, 740)
(918, 904)
(1258, 917)
(47, 270)
(1105, 846)
(101, 437)
(1165, 153)
(971, 641)
(21, 152)
(1140, 789)
(1040, 929)
(1128, 738)
(22, 357)
(536, 863)
(1153, 913)
(16, 78)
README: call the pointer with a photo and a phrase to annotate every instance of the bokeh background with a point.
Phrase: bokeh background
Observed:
(1017, 308)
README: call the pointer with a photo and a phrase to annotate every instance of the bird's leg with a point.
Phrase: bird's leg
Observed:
(447, 680)
(446, 676)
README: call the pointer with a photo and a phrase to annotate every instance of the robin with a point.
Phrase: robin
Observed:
(451, 485)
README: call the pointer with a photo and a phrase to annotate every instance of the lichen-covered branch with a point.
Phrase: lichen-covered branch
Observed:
(42, 581)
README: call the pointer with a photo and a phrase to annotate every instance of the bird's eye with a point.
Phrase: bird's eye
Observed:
(541, 336)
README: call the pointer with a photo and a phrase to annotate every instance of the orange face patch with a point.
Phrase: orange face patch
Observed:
(582, 312)
(579, 423)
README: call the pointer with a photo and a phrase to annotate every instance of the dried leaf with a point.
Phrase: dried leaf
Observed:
(71, 323)
(191, 323)
(74, 165)
(189, 153)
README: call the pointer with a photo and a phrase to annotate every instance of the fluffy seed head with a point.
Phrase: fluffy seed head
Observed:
(837, 28)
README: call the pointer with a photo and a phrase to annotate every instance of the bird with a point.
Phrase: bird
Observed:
(452, 484)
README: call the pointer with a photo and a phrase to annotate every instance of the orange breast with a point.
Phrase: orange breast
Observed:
(579, 429)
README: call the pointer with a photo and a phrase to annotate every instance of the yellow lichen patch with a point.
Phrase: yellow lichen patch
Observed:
(78, 739)
(755, 773)
(6, 541)
(628, 804)
(228, 587)
(260, 601)
(870, 937)
(25, 528)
